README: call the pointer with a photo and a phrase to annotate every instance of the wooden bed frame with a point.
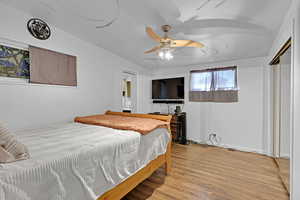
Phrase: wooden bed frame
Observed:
(130, 183)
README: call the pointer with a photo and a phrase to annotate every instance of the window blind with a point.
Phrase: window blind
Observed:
(53, 68)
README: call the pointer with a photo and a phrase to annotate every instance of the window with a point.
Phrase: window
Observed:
(214, 85)
(225, 79)
(201, 81)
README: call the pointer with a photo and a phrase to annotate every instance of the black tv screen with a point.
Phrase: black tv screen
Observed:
(172, 88)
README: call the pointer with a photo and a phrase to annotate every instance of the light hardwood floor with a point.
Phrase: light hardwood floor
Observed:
(284, 171)
(211, 173)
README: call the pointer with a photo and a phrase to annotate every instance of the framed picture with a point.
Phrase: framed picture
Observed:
(14, 63)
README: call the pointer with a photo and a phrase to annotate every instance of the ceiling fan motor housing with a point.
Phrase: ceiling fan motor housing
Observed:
(165, 42)
(166, 28)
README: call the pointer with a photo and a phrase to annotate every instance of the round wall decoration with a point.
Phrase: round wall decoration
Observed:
(38, 29)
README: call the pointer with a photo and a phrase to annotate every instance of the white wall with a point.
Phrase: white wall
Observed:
(291, 28)
(144, 95)
(26, 105)
(295, 165)
(240, 125)
(285, 31)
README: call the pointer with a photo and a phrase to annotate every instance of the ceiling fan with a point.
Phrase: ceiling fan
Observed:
(166, 44)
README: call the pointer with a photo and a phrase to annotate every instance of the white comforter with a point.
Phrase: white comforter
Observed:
(77, 162)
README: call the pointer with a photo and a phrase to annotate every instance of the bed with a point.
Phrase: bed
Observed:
(80, 161)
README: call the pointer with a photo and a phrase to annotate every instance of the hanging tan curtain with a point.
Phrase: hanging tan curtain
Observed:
(53, 68)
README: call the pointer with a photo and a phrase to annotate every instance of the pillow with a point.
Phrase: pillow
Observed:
(11, 145)
(5, 156)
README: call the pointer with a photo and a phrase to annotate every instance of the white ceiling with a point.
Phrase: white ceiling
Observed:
(230, 29)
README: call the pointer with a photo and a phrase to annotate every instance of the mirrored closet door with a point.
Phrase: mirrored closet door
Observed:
(282, 115)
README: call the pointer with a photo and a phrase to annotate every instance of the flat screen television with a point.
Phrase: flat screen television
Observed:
(172, 88)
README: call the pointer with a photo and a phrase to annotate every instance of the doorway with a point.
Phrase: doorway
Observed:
(129, 92)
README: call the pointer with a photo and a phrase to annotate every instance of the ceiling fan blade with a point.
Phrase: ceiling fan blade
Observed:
(186, 43)
(152, 34)
(153, 49)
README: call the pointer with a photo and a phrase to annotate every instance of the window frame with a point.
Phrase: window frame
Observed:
(213, 82)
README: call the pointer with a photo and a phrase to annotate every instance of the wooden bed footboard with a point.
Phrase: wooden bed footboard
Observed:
(130, 183)
(165, 118)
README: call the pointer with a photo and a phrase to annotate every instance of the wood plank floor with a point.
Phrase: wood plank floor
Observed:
(284, 171)
(211, 173)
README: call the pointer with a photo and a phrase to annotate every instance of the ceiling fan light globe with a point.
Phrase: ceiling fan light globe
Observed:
(161, 54)
(168, 55)
(165, 54)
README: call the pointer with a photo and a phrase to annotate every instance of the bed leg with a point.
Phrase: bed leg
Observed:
(168, 160)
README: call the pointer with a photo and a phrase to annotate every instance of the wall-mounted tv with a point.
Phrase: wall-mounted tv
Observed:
(172, 88)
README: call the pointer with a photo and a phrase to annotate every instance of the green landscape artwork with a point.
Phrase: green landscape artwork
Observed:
(14, 62)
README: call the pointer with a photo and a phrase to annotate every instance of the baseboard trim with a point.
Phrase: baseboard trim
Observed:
(237, 148)
(286, 156)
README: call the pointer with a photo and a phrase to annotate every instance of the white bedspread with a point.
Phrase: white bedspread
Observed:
(77, 162)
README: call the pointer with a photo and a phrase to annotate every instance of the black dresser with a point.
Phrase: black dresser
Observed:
(178, 127)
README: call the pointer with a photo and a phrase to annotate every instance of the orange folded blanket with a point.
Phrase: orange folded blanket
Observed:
(141, 125)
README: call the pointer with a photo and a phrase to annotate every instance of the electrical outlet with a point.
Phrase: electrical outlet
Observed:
(213, 135)
(213, 139)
